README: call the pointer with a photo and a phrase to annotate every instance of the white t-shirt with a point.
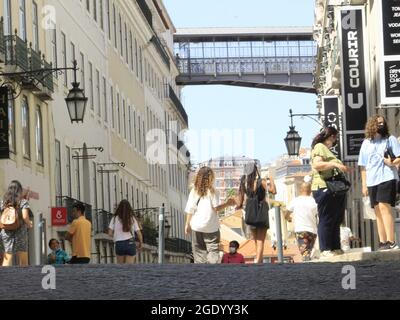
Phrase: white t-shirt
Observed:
(204, 219)
(305, 211)
(119, 234)
(345, 235)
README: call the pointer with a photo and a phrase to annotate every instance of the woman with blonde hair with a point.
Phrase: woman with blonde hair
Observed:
(202, 217)
(378, 159)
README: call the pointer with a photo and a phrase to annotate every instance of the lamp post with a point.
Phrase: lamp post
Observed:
(76, 100)
(293, 139)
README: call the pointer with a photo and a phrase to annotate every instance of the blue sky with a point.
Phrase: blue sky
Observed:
(224, 107)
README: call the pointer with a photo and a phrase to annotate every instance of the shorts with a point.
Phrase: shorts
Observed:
(383, 193)
(125, 248)
(15, 241)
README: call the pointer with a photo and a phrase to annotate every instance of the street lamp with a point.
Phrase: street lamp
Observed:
(293, 139)
(76, 100)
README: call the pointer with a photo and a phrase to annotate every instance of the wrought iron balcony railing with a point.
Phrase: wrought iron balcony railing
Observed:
(16, 52)
(146, 11)
(161, 51)
(103, 219)
(179, 107)
(68, 202)
(178, 245)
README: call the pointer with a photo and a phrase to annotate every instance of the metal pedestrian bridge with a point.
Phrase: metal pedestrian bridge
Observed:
(272, 58)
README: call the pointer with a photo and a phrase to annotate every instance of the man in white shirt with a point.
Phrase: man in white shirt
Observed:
(305, 212)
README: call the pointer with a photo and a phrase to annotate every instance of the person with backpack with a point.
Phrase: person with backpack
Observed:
(253, 198)
(14, 224)
(378, 159)
(123, 227)
(202, 217)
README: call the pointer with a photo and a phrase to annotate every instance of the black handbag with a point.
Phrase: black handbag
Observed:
(256, 210)
(338, 184)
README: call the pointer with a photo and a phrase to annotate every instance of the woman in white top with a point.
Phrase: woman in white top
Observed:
(122, 228)
(202, 217)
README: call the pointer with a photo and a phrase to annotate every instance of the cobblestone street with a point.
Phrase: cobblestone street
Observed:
(211, 282)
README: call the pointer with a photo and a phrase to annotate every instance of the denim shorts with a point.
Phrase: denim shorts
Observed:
(126, 248)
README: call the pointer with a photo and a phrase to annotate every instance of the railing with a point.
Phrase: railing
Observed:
(103, 219)
(48, 81)
(160, 49)
(35, 60)
(2, 44)
(179, 107)
(146, 11)
(68, 203)
(178, 245)
(16, 52)
(259, 65)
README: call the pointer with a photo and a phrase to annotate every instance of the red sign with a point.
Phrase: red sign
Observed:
(59, 216)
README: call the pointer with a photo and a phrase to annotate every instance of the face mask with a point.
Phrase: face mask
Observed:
(232, 250)
(381, 130)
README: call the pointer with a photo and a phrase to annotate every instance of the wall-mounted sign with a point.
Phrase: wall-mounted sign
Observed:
(389, 22)
(59, 216)
(4, 126)
(330, 105)
(354, 79)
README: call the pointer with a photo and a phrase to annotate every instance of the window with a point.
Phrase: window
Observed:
(141, 64)
(91, 94)
(82, 70)
(68, 169)
(58, 171)
(126, 45)
(64, 55)
(88, 5)
(134, 125)
(96, 205)
(118, 114)
(144, 138)
(120, 36)
(115, 26)
(54, 47)
(105, 99)
(133, 197)
(108, 19)
(95, 10)
(39, 136)
(35, 31)
(26, 150)
(73, 58)
(98, 93)
(137, 198)
(11, 123)
(140, 136)
(7, 18)
(22, 20)
(124, 116)
(127, 191)
(112, 107)
(121, 190)
(101, 15)
(77, 176)
(137, 58)
(130, 124)
(131, 48)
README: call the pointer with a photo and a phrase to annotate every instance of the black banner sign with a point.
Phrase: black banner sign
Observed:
(4, 142)
(392, 79)
(354, 78)
(332, 119)
(391, 27)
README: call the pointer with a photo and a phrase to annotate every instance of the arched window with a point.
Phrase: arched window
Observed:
(26, 149)
(39, 136)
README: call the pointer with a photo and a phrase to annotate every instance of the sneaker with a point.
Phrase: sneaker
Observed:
(338, 252)
(392, 245)
(383, 246)
(327, 254)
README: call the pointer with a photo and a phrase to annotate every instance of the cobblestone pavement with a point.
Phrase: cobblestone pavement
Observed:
(198, 282)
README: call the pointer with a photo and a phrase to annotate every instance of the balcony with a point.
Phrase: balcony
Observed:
(16, 54)
(68, 202)
(2, 44)
(146, 11)
(178, 105)
(103, 219)
(161, 51)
